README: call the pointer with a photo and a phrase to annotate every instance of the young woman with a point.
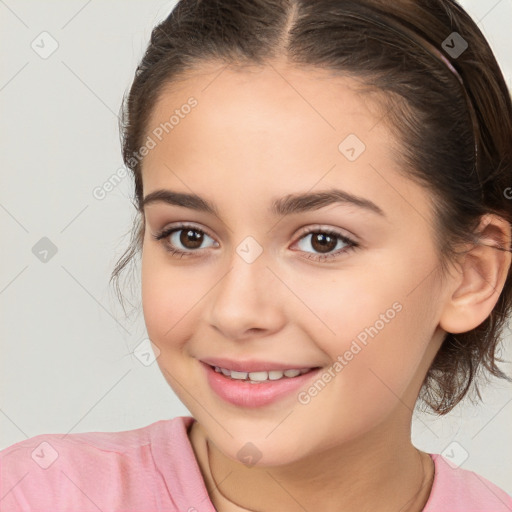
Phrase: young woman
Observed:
(324, 189)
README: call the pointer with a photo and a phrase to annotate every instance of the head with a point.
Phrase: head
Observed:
(248, 105)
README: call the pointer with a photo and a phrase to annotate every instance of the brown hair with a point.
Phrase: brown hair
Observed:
(452, 114)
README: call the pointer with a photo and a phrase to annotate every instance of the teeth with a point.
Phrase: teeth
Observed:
(254, 377)
(257, 376)
(239, 375)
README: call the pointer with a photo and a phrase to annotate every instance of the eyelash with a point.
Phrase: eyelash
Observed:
(165, 233)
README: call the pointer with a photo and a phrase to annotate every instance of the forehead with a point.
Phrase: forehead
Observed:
(262, 114)
(315, 96)
(271, 127)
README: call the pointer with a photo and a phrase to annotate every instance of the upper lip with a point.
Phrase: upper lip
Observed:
(252, 365)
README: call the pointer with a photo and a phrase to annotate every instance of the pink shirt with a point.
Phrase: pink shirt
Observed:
(154, 468)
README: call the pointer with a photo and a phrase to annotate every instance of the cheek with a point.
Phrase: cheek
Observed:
(345, 304)
(374, 325)
(167, 296)
(374, 364)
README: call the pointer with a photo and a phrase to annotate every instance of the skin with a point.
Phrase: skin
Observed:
(258, 134)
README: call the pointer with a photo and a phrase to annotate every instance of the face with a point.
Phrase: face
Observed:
(350, 288)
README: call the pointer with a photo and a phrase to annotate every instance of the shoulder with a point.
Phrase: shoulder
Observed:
(84, 471)
(460, 490)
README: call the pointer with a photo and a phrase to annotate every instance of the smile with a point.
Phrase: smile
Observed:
(257, 388)
(261, 376)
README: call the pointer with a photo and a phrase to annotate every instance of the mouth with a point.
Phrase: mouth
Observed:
(257, 388)
(255, 377)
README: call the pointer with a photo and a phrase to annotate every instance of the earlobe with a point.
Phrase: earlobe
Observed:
(483, 273)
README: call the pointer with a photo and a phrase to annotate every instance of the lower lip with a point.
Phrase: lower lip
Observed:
(245, 394)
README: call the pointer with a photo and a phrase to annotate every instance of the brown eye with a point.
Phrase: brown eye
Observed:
(191, 238)
(322, 242)
(182, 240)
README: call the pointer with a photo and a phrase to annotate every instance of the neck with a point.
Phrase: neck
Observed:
(379, 471)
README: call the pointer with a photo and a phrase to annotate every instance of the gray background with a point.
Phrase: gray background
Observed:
(67, 351)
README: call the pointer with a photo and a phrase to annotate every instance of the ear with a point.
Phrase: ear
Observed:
(482, 275)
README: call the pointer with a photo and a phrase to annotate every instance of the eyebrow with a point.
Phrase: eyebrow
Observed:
(287, 205)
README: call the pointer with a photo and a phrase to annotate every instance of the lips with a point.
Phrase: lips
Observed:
(254, 365)
(244, 393)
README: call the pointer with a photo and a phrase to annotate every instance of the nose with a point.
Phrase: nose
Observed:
(248, 300)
